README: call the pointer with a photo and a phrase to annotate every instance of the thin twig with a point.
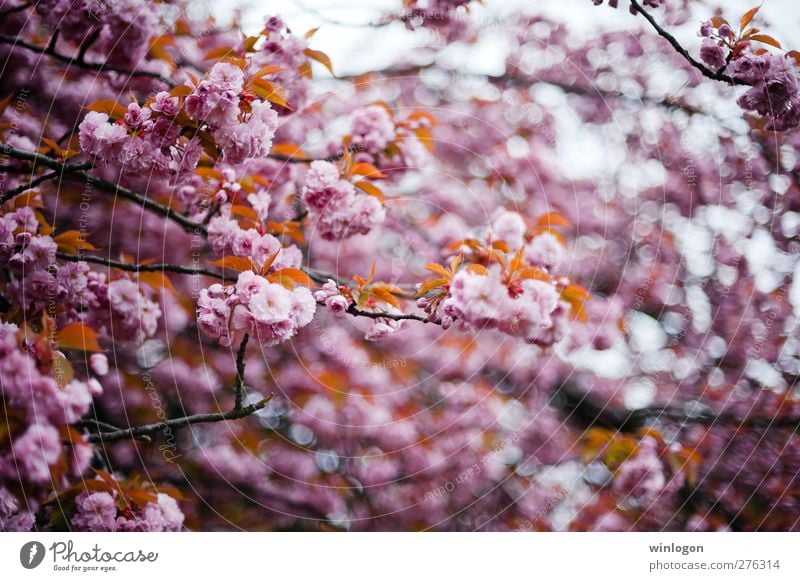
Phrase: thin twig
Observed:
(331, 158)
(240, 365)
(97, 425)
(109, 187)
(135, 267)
(354, 310)
(11, 194)
(74, 61)
(173, 424)
(717, 76)
(14, 9)
(86, 45)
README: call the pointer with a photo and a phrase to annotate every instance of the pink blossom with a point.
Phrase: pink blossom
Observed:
(96, 511)
(336, 304)
(372, 128)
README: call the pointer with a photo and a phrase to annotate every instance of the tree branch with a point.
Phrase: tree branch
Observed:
(14, 9)
(354, 310)
(134, 267)
(109, 187)
(331, 158)
(78, 60)
(240, 364)
(11, 194)
(587, 410)
(173, 424)
(682, 51)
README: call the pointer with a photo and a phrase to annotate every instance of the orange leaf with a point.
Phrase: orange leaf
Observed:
(552, 219)
(245, 211)
(534, 273)
(576, 296)
(110, 108)
(219, 53)
(321, 58)
(267, 70)
(717, 21)
(78, 336)
(269, 91)
(438, 269)
(478, 269)
(431, 284)
(157, 49)
(371, 189)
(209, 173)
(250, 42)
(425, 138)
(383, 294)
(290, 229)
(766, 39)
(181, 91)
(290, 275)
(423, 115)
(54, 146)
(288, 149)
(4, 103)
(748, 16)
(237, 263)
(156, 280)
(71, 241)
(367, 170)
(305, 70)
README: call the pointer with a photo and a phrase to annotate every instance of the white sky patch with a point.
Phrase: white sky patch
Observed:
(646, 334)
(766, 263)
(700, 306)
(763, 372)
(614, 363)
(695, 243)
(727, 222)
(639, 394)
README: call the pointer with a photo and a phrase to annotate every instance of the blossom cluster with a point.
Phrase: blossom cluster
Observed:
(32, 453)
(496, 297)
(483, 301)
(228, 238)
(121, 28)
(268, 311)
(150, 139)
(337, 208)
(642, 478)
(119, 306)
(774, 90)
(371, 129)
(100, 512)
(338, 300)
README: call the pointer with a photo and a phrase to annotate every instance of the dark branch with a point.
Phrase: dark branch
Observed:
(109, 187)
(78, 61)
(11, 194)
(717, 76)
(331, 158)
(174, 424)
(98, 426)
(134, 267)
(239, 397)
(354, 310)
(587, 411)
(14, 9)
(86, 45)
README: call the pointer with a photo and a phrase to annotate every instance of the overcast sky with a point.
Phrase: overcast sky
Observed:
(358, 48)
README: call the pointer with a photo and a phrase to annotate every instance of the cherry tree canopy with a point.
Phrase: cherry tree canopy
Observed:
(240, 291)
